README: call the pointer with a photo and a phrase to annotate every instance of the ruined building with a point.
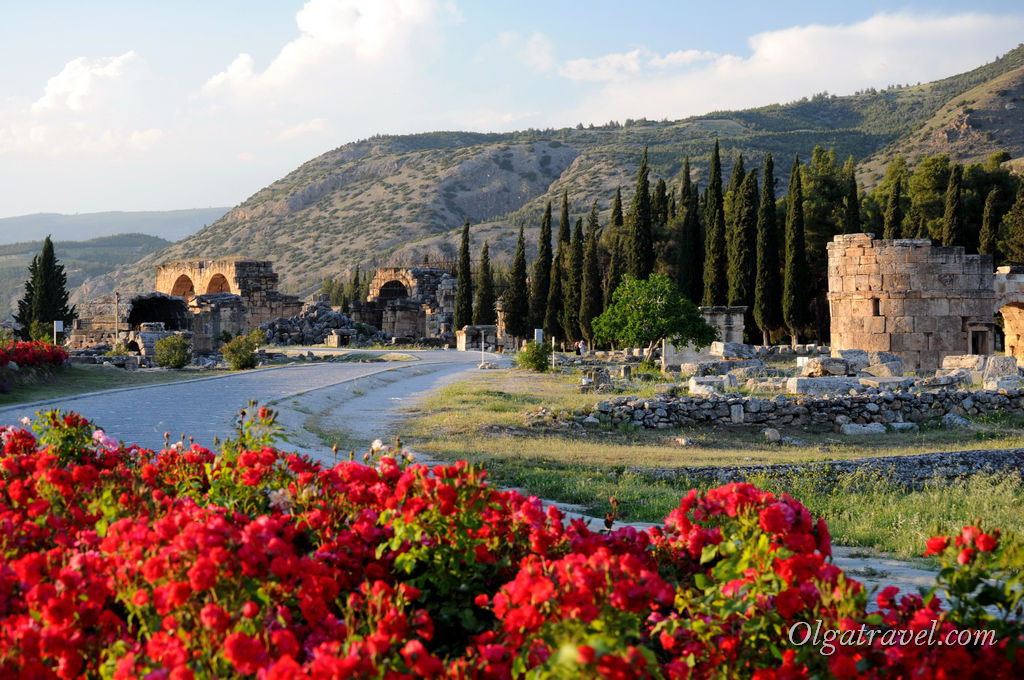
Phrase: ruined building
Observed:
(204, 298)
(409, 302)
(920, 301)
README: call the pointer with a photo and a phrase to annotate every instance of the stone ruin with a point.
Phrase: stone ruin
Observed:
(728, 321)
(236, 295)
(920, 301)
(409, 302)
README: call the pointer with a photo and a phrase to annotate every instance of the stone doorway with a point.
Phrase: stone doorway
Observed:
(1013, 329)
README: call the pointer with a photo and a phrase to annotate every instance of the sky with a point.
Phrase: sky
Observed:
(133, 105)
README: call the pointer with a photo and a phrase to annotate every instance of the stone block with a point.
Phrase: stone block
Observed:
(857, 430)
(891, 383)
(886, 370)
(736, 414)
(971, 362)
(732, 350)
(1000, 367)
(822, 367)
(822, 386)
(856, 358)
(1005, 383)
(904, 427)
(707, 385)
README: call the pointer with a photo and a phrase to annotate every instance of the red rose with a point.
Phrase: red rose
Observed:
(985, 543)
(936, 545)
(965, 555)
(789, 602)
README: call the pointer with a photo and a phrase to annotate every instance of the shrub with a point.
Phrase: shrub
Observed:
(174, 351)
(535, 356)
(241, 352)
(119, 349)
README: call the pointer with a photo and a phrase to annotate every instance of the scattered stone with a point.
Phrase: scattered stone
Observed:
(736, 414)
(904, 427)
(487, 365)
(971, 362)
(857, 358)
(952, 421)
(824, 367)
(1007, 383)
(1000, 367)
(822, 386)
(591, 421)
(732, 350)
(889, 383)
(868, 428)
(772, 435)
(888, 369)
(686, 441)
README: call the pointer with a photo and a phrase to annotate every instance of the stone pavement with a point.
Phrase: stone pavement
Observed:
(209, 407)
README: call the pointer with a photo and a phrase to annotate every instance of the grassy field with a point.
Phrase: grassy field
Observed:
(482, 420)
(82, 378)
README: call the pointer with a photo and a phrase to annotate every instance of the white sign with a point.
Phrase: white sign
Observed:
(58, 326)
(538, 335)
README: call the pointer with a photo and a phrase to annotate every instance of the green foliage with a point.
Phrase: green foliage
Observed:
(516, 299)
(768, 288)
(892, 226)
(640, 239)
(716, 288)
(240, 353)
(174, 351)
(1012, 228)
(795, 284)
(484, 312)
(46, 297)
(690, 263)
(927, 187)
(851, 202)
(591, 300)
(119, 349)
(552, 311)
(573, 284)
(987, 239)
(464, 283)
(535, 356)
(645, 312)
(742, 273)
(954, 231)
(540, 282)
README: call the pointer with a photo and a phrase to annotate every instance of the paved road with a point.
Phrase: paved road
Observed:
(208, 407)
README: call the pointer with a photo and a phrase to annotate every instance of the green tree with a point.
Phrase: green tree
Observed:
(716, 288)
(824, 191)
(173, 351)
(732, 193)
(484, 313)
(851, 201)
(878, 198)
(927, 188)
(591, 300)
(516, 300)
(768, 289)
(613, 238)
(553, 310)
(640, 239)
(540, 282)
(464, 283)
(645, 312)
(1012, 229)
(573, 285)
(690, 266)
(46, 296)
(742, 273)
(893, 224)
(353, 292)
(795, 283)
(954, 233)
(659, 209)
(989, 236)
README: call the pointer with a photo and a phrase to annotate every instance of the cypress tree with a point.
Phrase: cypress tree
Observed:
(617, 219)
(484, 312)
(659, 208)
(573, 284)
(639, 238)
(715, 285)
(614, 236)
(988, 236)
(851, 202)
(742, 273)
(691, 249)
(795, 284)
(767, 291)
(1013, 228)
(615, 272)
(564, 230)
(516, 300)
(732, 193)
(954, 232)
(46, 296)
(916, 226)
(553, 310)
(540, 282)
(590, 296)
(464, 283)
(893, 222)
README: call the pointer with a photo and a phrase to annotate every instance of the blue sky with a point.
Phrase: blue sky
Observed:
(129, 105)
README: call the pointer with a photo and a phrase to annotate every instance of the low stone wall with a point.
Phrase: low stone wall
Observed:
(910, 471)
(665, 411)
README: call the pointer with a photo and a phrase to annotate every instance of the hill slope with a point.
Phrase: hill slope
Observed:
(401, 198)
(81, 259)
(167, 224)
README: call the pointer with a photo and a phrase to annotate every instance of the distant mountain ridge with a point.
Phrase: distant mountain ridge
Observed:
(171, 225)
(404, 198)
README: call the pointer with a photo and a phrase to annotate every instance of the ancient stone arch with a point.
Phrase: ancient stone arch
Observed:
(383, 286)
(182, 287)
(218, 284)
(1009, 289)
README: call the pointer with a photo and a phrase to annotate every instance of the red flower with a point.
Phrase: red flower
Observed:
(789, 602)
(245, 653)
(985, 543)
(965, 555)
(936, 545)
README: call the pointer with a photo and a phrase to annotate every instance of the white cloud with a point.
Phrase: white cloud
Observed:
(784, 65)
(363, 31)
(537, 51)
(308, 127)
(72, 87)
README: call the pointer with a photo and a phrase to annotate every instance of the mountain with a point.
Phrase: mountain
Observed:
(392, 199)
(167, 224)
(81, 259)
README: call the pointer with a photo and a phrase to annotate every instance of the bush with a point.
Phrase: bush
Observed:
(174, 351)
(535, 356)
(119, 349)
(259, 563)
(241, 352)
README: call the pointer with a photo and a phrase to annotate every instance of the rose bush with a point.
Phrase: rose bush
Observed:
(120, 562)
(35, 353)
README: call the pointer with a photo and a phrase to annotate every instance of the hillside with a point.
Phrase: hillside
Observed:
(81, 260)
(403, 198)
(166, 224)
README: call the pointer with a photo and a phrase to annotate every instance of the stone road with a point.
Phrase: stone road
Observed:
(209, 407)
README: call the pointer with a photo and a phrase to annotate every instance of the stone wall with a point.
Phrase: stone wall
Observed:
(911, 298)
(728, 321)
(667, 411)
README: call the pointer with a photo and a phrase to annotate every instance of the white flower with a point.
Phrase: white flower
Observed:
(377, 445)
(25, 421)
(101, 439)
(280, 500)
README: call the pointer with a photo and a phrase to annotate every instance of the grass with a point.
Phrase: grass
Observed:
(481, 420)
(82, 378)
